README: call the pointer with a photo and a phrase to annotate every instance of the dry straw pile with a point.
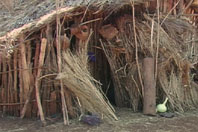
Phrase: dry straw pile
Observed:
(87, 91)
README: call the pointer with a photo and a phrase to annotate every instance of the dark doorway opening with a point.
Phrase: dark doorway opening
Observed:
(101, 71)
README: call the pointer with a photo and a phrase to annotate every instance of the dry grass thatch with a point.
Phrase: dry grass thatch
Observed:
(77, 78)
(174, 60)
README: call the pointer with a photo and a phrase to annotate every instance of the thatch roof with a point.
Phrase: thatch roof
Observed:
(30, 11)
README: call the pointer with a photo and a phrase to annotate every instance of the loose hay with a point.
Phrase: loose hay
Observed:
(76, 77)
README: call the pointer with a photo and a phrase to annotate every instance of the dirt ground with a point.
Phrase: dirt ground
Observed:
(128, 122)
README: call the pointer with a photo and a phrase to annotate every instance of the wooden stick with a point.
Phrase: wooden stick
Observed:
(58, 44)
(165, 5)
(30, 70)
(20, 82)
(15, 77)
(136, 47)
(69, 103)
(158, 40)
(37, 83)
(48, 63)
(36, 59)
(25, 107)
(174, 11)
(26, 79)
(29, 55)
(25, 73)
(10, 87)
(181, 6)
(4, 85)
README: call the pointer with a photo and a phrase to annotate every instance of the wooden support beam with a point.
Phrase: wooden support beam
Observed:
(25, 74)
(149, 100)
(37, 81)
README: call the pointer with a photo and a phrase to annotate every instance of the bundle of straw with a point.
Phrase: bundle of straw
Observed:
(76, 77)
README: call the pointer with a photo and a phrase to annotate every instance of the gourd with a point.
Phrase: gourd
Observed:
(162, 107)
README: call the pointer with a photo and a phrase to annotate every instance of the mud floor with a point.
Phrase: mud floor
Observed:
(128, 122)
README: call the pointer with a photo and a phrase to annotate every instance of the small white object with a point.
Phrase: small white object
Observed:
(162, 107)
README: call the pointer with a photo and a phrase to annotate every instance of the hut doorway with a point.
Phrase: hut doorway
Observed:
(102, 72)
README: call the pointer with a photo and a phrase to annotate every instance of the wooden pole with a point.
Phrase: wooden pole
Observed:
(52, 107)
(59, 61)
(15, 80)
(68, 98)
(27, 101)
(20, 82)
(37, 82)
(64, 105)
(181, 6)
(4, 85)
(149, 100)
(36, 60)
(25, 73)
(10, 88)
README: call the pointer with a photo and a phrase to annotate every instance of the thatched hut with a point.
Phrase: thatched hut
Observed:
(78, 56)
